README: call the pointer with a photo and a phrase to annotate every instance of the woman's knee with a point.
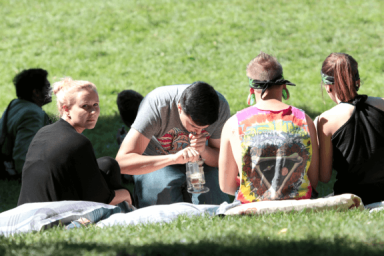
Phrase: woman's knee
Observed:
(111, 171)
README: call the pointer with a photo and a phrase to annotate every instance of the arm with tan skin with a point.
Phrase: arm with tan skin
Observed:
(210, 152)
(313, 170)
(131, 160)
(325, 148)
(120, 196)
(228, 169)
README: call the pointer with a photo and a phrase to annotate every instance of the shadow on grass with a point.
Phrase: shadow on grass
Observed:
(103, 136)
(9, 194)
(255, 246)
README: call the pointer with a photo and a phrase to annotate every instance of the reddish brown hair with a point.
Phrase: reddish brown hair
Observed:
(343, 68)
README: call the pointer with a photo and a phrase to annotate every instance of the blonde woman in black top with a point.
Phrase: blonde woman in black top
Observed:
(61, 164)
(351, 134)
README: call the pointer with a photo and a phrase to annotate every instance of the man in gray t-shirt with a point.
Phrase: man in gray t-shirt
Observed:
(175, 124)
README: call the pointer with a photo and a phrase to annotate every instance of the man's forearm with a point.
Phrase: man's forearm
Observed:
(136, 164)
(211, 156)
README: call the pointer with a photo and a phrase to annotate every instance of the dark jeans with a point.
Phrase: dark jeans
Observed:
(168, 185)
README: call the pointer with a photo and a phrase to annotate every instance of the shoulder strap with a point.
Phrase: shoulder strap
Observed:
(4, 130)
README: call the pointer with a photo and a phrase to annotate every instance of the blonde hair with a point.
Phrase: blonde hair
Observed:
(65, 91)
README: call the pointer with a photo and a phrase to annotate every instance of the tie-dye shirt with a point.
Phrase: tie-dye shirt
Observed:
(276, 154)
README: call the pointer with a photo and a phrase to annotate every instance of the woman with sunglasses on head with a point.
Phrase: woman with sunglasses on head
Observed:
(351, 134)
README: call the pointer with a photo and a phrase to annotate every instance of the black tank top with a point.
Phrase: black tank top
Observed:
(358, 153)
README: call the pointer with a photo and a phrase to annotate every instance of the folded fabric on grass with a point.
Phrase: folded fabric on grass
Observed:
(375, 207)
(342, 202)
(36, 216)
(167, 213)
(158, 213)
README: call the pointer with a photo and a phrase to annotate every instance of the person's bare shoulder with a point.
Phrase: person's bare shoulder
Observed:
(332, 119)
(229, 128)
(231, 124)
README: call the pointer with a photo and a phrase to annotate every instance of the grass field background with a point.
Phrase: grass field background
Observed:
(141, 45)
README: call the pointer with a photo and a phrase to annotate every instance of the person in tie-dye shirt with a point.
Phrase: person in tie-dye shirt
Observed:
(272, 146)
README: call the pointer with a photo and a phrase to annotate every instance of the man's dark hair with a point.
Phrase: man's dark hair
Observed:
(128, 102)
(28, 80)
(201, 102)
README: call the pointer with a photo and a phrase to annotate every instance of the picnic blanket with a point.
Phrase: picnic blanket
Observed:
(38, 216)
(167, 213)
(339, 203)
(375, 207)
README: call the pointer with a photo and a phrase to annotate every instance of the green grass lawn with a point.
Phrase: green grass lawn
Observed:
(326, 233)
(143, 44)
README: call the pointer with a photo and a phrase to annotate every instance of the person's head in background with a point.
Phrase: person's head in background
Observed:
(266, 79)
(77, 103)
(128, 102)
(32, 85)
(340, 77)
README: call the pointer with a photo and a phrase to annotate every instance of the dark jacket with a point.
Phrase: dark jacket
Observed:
(24, 120)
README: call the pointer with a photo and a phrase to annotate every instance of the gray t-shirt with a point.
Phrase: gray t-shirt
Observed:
(158, 119)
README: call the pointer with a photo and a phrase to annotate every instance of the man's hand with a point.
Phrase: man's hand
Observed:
(198, 142)
(186, 155)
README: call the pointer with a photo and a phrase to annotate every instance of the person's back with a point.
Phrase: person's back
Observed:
(351, 134)
(61, 163)
(24, 118)
(276, 154)
(271, 145)
(54, 161)
(358, 147)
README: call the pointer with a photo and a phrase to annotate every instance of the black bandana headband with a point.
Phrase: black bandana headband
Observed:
(264, 85)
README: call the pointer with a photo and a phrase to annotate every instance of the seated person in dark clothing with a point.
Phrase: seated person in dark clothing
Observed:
(128, 102)
(61, 164)
(22, 119)
(351, 134)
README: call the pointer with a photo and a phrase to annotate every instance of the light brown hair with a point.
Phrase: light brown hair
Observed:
(343, 68)
(264, 67)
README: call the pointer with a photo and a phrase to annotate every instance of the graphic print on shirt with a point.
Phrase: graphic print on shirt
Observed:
(175, 140)
(276, 153)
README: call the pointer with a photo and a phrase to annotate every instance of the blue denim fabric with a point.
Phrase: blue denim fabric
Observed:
(168, 185)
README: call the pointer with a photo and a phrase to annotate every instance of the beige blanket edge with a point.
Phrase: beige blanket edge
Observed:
(342, 202)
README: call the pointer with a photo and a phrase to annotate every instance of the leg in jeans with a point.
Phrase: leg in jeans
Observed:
(164, 186)
(168, 185)
(215, 195)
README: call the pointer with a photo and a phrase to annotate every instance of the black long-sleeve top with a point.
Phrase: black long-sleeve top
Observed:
(61, 165)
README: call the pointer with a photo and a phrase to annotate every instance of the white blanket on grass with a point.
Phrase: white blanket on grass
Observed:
(158, 214)
(38, 216)
(167, 213)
